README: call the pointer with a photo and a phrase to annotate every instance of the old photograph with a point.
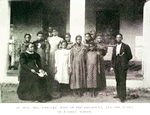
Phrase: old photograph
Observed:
(75, 51)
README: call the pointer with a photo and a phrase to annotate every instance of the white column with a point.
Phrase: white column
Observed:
(4, 38)
(146, 40)
(77, 18)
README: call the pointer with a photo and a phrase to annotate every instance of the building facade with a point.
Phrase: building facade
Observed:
(107, 17)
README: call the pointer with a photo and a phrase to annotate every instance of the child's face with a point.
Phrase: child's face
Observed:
(27, 38)
(50, 29)
(31, 48)
(40, 36)
(64, 45)
(78, 40)
(67, 38)
(99, 39)
(87, 37)
(55, 33)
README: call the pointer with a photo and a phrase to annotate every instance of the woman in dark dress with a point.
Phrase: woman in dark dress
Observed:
(78, 67)
(92, 65)
(101, 50)
(93, 69)
(42, 47)
(23, 47)
(29, 85)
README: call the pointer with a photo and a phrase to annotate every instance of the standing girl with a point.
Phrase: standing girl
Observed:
(93, 69)
(62, 64)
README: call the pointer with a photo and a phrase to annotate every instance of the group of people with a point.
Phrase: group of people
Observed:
(48, 63)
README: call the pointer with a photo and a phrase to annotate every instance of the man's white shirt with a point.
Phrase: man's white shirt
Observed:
(118, 47)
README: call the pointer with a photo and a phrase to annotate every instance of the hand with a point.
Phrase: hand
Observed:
(42, 71)
(111, 69)
(33, 71)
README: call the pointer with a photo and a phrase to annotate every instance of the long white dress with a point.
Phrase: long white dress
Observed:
(62, 62)
(53, 41)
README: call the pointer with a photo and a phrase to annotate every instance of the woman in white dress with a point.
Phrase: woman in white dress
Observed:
(54, 42)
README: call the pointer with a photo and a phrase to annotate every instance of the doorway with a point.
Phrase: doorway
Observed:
(107, 25)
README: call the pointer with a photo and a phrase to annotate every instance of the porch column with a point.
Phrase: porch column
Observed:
(4, 38)
(146, 41)
(77, 18)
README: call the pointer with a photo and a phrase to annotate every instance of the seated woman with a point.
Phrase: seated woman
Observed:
(30, 75)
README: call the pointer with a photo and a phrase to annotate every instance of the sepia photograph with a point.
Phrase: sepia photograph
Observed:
(75, 56)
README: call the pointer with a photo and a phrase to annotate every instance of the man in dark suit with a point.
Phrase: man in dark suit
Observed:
(120, 58)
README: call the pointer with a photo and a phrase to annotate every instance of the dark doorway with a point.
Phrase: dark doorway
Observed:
(56, 20)
(107, 24)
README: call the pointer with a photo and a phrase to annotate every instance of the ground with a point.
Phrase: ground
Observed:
(138, 95)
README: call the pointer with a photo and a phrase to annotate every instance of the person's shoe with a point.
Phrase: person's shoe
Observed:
(79, 93)
(34, 101)
(122, 100)
(116, 96)
(42, 100)
(93, 95)
(75, 94)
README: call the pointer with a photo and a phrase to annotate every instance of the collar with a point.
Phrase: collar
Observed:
(29, 52)
(119, 44)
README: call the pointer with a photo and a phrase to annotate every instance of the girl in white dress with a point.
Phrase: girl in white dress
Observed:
(62, 64)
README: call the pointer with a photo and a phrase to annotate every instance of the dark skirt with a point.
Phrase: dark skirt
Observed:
(33, 89)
